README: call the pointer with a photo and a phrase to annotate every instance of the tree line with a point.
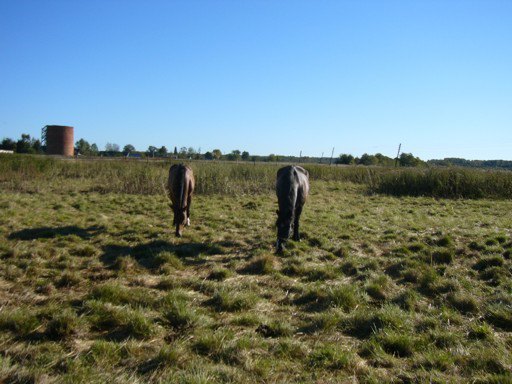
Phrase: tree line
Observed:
(25, 144)
(405, 160)
(454, 161)
(28, 144)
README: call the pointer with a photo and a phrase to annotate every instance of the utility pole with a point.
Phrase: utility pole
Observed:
(332, 154)
(398, 154)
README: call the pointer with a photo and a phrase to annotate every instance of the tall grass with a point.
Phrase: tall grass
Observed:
(39, 174)
(450, 183)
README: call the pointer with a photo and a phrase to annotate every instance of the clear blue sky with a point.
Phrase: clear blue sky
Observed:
(263, 76)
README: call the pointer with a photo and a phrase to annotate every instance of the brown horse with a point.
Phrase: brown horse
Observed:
(292, 188)
(180, 187)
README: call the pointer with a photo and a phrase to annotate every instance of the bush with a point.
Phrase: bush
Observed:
(120, 321)
(500, 316)
(397, 344)
(62, 324)
(261, 265)
(323, 297)
(463, 302)
(232, 301)
(364, 322)
(275, 329)
(450, 183)
(331, 357)
(177, 310)
(20, 321)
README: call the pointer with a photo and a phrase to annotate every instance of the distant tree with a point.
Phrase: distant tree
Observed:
(183, 153)
(245, 156)
(234, 155)
(111, 147)
(192, 153)
(36, 146)
(451, 161)
(208, 156)
(176, 152)
(345, 159)
(8, 144)
(217, 154)
(83, 147)
(384, 160)
(128, 148)
(408, 160)
(152, 150)
(162, 151)
(367, 159)
(24, 145)
(271, 158)
(94, 149)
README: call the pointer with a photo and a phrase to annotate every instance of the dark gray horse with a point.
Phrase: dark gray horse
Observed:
(292, 188)
(180, 187)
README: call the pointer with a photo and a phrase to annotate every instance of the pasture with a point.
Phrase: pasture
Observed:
(95, 287)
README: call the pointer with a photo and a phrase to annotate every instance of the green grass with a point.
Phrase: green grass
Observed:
(119, 322)
(39, 174)
(322, 297)
(451, 183)
(20, 321)
(63, 325)
(96, 288)
(232, 300)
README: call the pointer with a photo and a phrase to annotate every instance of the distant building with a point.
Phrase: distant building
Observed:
(58, 139)
(6, 151)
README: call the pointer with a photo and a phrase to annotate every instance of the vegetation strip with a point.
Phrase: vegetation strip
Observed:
(381, 289)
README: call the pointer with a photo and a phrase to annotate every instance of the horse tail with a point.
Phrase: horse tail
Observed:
(182, 181)
(295, 188)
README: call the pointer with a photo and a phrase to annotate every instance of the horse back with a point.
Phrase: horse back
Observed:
(180, 185)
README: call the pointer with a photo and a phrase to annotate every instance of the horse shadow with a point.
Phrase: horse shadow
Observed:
(51, 232)
(155, 253)
(150, 255)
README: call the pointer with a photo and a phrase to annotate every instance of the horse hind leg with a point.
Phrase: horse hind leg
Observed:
(189, 203)
(280, 246)
(296, 233)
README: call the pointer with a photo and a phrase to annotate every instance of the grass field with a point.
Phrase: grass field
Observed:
(96, 288)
